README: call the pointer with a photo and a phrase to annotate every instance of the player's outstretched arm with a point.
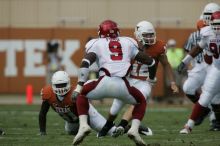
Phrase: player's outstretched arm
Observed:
(83, 74)
(42, 117)
(193, 53)
(166, 65)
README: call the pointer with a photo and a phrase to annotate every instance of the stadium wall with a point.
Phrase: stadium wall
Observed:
(89, 13)
(22, 54)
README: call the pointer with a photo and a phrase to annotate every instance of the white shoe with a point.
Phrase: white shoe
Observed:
(134, 135)
(82, 133)
(186, 130)
(118, 131)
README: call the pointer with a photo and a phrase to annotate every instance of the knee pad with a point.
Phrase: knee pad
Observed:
(116, 107)
(205, 99)
(188, 89)
(216, 99)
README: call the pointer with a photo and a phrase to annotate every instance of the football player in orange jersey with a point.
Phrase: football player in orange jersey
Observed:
(146, 37)
(58, 97)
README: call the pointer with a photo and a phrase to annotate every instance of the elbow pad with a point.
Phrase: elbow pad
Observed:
(83, 74)
(153, 63)
(152, 71)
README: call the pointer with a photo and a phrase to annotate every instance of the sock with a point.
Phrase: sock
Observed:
(135, 124)
(190, 123)
(82, 105)
(123, 123)
(109, 124)
(198, 111)
(83, 120)
(216, 110)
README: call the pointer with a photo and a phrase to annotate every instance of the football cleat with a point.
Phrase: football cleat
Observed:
(118, 131)
(2, 132)
(186, 130)
(145, 131)
(82, 133)
(215, 126)
(133, 135)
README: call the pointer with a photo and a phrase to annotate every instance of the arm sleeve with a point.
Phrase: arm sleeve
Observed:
(188, 44)
(42, 115)
(202, 43)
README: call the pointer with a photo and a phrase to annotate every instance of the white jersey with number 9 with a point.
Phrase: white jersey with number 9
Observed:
(114, 55)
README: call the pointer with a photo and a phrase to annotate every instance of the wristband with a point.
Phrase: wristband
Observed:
(187, 59)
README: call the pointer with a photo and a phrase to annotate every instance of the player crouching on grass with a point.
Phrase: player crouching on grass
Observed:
(58, 97)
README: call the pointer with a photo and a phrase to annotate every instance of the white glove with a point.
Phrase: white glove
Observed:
(77, 91)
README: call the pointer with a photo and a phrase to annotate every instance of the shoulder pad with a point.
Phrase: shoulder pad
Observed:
(206, 31)
(91, 43)
(46, 92)
(132, 41)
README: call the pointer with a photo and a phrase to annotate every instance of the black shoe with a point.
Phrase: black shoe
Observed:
(2, 132)
(105, 130)
(215, 126)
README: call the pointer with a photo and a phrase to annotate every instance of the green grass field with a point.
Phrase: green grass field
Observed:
(20, 122)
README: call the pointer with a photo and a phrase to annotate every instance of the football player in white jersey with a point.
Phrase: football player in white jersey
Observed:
(145, 34)
(197, 70)
(196, 73)
(113, 55)
(210, 38)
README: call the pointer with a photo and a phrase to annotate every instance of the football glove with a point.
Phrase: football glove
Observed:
(76, 91)
(181, 67)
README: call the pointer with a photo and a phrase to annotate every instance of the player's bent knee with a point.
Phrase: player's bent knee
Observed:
(187, 89)
(205, 98)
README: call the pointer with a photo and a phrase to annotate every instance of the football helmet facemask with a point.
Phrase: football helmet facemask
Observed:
(145, 33)
(60, 83)
(108, 28)
(215, 22)
(208, 10)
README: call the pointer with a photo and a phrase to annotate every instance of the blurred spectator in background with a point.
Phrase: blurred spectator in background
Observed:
(174, 56)
(53, 58)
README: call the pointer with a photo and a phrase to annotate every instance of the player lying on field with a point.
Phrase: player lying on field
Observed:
(58, 97)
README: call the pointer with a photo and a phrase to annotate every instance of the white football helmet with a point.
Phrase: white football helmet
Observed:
(145, 33)
(60, 83)
(208, 10)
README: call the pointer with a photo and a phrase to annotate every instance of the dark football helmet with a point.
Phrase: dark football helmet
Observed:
(108, 28)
